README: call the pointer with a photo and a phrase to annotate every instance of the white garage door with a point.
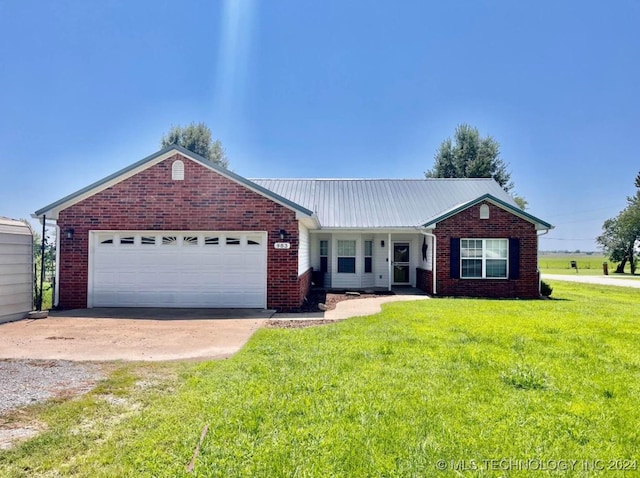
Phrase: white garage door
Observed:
(178, 269)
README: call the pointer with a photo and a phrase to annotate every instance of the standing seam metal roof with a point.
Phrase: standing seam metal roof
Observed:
(381, 203)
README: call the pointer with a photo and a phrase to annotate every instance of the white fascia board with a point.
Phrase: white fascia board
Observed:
(310, 223)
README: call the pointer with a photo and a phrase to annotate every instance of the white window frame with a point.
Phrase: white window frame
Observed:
(366, 255)
(484, 258)
(353, 256)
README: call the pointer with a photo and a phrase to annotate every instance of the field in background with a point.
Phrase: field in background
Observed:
(588, 263)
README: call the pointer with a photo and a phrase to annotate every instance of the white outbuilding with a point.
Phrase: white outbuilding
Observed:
(16, 269)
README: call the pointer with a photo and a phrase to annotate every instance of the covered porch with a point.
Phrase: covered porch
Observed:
(370, 260)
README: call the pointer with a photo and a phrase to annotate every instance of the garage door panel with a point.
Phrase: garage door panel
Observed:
(179, 273)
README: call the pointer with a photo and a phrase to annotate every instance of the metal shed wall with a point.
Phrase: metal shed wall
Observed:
(16, 270)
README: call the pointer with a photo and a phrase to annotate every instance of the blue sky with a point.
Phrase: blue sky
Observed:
(332, 88)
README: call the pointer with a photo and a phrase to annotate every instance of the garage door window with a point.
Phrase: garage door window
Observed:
(253, 241)
(148, 240)
(211, 241)
(233, 241)
(190, 241)
(127, 240)
(169, 240)
(106, 239)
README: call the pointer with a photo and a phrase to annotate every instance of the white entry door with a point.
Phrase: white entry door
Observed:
(178, 269)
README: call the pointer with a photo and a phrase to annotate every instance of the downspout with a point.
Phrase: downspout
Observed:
(546, 231)
(433, 258)
(389, 259)
(56, 291)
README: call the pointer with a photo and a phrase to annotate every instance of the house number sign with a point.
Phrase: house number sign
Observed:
(282, 245)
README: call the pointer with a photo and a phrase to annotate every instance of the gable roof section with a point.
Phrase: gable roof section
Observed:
(53, 209)
(513, 209)
(390, 203)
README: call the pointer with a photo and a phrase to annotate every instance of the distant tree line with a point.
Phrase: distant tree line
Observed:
(620, 238)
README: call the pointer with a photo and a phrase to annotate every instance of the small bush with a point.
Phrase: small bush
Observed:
(545, 289)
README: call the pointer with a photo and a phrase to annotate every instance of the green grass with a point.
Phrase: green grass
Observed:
(587, 264)
(386, 395)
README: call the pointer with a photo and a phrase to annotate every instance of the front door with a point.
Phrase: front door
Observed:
(401, 264)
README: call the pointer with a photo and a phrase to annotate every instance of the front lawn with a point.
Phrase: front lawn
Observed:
(454, 384)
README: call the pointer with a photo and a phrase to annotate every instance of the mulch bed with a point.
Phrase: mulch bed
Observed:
(332, 297)
(316, 297)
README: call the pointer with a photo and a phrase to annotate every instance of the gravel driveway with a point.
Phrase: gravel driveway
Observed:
(24, 382)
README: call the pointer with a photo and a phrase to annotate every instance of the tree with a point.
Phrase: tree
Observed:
(49, 264)
(470, 156)
(620, 239)
(196, 137)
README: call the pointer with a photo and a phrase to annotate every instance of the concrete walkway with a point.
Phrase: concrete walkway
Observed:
(361, 307)
(600, 280)
(355, 307)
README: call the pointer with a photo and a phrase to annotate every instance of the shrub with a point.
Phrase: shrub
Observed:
(545, 289)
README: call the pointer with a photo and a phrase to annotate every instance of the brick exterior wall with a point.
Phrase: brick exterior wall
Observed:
(304, 285)
(203, 201)
(424, 280)
(500, 225)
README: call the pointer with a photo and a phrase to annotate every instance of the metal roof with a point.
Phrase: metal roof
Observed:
(14, 226)
(385, 203)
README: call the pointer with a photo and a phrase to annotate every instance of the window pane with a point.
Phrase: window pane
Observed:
(233, 241)
(169, 240)
(471, 247)
(211, 241)
(347, 265)
(368, 264)
(324, 264)
(347, 248)
(127, 240)
(324, 248)
(148, 240)
(496, 268)
(471, 267)
(496, 249)
(368, 248)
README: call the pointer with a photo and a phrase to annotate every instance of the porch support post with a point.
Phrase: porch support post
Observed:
(389, 260)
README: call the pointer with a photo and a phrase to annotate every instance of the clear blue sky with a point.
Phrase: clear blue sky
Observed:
(331, 88)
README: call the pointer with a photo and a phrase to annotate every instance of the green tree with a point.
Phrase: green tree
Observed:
(197, 137)
(468, 155)
(49, 265)
(620, 238)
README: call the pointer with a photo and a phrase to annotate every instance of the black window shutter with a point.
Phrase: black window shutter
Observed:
(454, 256)
(514, 258)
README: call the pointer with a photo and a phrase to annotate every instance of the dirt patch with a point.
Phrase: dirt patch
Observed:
(13, 433)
